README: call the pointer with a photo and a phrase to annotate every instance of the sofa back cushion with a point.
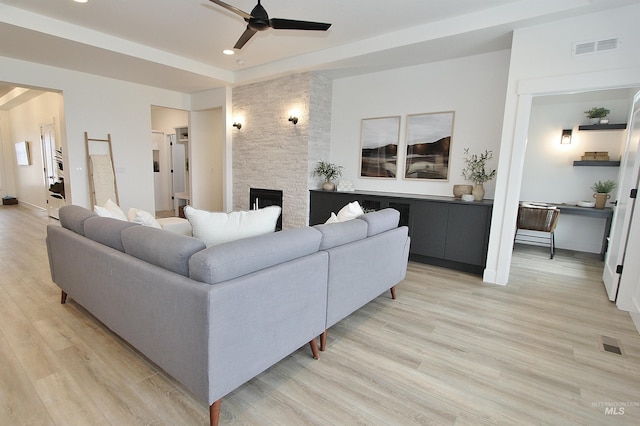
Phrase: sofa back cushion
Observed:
(381, 220)
(73, 217)
(241, 257)
(106, 230)
(161, 248)
(339, 233)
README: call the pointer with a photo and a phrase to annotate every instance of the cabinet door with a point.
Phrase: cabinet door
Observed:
(429, 228)
(322, 204)
(468, 233)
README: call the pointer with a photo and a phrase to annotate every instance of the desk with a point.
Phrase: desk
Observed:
(606, 213)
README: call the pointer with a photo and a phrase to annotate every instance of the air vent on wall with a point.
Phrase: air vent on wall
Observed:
(595, 46)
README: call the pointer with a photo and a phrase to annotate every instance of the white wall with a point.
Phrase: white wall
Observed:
(7, 179)
(474, 87)
(542, 63)
(167, 119)
(549, 175)
(100, 106)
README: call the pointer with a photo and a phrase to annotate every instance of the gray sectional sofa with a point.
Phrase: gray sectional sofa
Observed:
(214, 318)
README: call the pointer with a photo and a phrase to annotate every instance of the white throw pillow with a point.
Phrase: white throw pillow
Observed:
(350, 211)
(333, 218)
(216, 228)
(110, 209)
(142, 217)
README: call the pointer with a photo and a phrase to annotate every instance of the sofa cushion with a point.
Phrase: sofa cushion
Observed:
(106, 230)
(142, 217)
(237, 258)
(381, 220)
(176, 225)
(161, 248)
(73, 217)
(110, 209)
(216, 227)
(339, 233)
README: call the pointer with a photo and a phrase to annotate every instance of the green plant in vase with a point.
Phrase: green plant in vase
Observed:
(476, 171)
(596, 114)
(328, 171)
(602, 190)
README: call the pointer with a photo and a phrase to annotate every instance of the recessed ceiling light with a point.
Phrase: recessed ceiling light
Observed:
(228, 52)
(81, 1)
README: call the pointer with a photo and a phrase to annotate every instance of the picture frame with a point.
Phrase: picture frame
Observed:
(379, 147)
(23, 156)
(428, 147)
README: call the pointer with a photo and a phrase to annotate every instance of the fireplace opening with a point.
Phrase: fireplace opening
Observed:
(260, 198)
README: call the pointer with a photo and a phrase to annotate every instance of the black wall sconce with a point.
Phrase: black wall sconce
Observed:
(237, 125)
(293, 119)
(566, 136)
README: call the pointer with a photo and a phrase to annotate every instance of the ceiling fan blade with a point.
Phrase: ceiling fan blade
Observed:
(291, 24)
(244, 38)
(234, 9)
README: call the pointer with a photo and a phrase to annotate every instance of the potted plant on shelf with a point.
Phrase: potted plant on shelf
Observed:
(596, 115)
(475, 171)
(602, 190)
(328, 171)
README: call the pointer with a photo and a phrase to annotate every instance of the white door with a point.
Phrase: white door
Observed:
(627, 180)
(178, 157)
(53, 200)
(629, 289)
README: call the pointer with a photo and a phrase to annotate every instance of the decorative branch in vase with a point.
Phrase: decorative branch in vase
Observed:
(475, 171)
(329, 172)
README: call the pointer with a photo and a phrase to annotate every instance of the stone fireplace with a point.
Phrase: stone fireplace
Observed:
(269, 151)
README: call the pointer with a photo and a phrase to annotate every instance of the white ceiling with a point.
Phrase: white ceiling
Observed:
(177, 44)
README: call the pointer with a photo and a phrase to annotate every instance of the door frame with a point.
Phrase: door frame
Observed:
(512, 155)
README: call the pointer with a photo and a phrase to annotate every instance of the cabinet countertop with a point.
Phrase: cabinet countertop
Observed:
(425, 197)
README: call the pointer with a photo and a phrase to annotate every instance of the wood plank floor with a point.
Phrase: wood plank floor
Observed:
(449, 351)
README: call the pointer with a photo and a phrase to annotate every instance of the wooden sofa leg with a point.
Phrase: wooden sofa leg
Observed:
(314, 348)
(393, 292)
(214, 413)
(323, 340)
(63, 298)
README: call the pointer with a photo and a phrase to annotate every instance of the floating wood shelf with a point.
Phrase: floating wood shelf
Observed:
(596, 163)
(620, 126)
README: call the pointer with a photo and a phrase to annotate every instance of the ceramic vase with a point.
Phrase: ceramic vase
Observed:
(478, 192)
(460, 190)
(601, 199)
(328, 186)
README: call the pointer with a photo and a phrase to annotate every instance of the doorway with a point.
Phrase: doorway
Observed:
(164, 122)
(53, 170)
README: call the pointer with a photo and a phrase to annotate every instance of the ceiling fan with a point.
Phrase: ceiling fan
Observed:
(258, 20)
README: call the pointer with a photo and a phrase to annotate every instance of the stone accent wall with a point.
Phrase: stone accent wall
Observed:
(270, 152)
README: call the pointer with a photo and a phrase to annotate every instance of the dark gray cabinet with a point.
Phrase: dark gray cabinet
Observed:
(429, 222)
(444, 231)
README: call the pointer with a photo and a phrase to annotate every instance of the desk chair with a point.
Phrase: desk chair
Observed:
(537, 218)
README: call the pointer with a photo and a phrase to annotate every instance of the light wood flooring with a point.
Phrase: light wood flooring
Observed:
(449, 351)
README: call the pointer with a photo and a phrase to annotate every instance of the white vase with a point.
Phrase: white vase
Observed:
(478, 192)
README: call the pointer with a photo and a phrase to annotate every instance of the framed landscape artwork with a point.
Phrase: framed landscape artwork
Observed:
(428, 145)
(379, 147)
